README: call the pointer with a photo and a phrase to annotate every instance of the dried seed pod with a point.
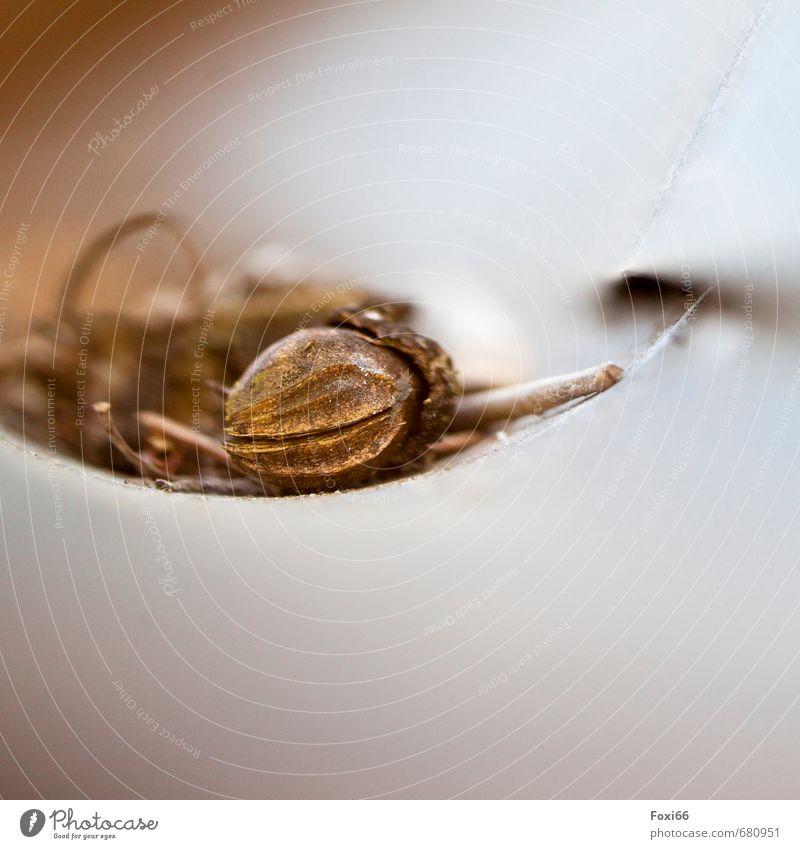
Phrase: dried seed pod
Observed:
(336, 407)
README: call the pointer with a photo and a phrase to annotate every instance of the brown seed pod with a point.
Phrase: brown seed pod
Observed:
(337, 407)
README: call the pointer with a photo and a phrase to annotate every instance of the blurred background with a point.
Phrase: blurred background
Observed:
(601, 604)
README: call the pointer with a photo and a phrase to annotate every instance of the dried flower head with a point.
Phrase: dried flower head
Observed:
(336, 407)
(329, 407)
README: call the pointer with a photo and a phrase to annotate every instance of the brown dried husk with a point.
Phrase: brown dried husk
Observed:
(174, 361)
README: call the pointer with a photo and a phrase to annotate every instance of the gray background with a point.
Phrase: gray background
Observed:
(601, 604)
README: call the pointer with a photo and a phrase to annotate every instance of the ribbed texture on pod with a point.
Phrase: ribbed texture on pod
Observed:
(333, 408)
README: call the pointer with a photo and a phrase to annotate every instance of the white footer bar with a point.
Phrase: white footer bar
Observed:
(403, 824)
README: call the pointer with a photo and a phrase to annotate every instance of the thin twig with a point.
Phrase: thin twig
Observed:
(453, 443)
(105, 242)
(180, 433)
(214, 486)
(220, 389)
(145, 467)
(479, 409)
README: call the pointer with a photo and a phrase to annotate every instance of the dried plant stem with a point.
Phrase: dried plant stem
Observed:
(104, 243)
(219, 388)
(479, 409)
(214, 486)
(453, 443)
(145, 467)
(186, 436)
